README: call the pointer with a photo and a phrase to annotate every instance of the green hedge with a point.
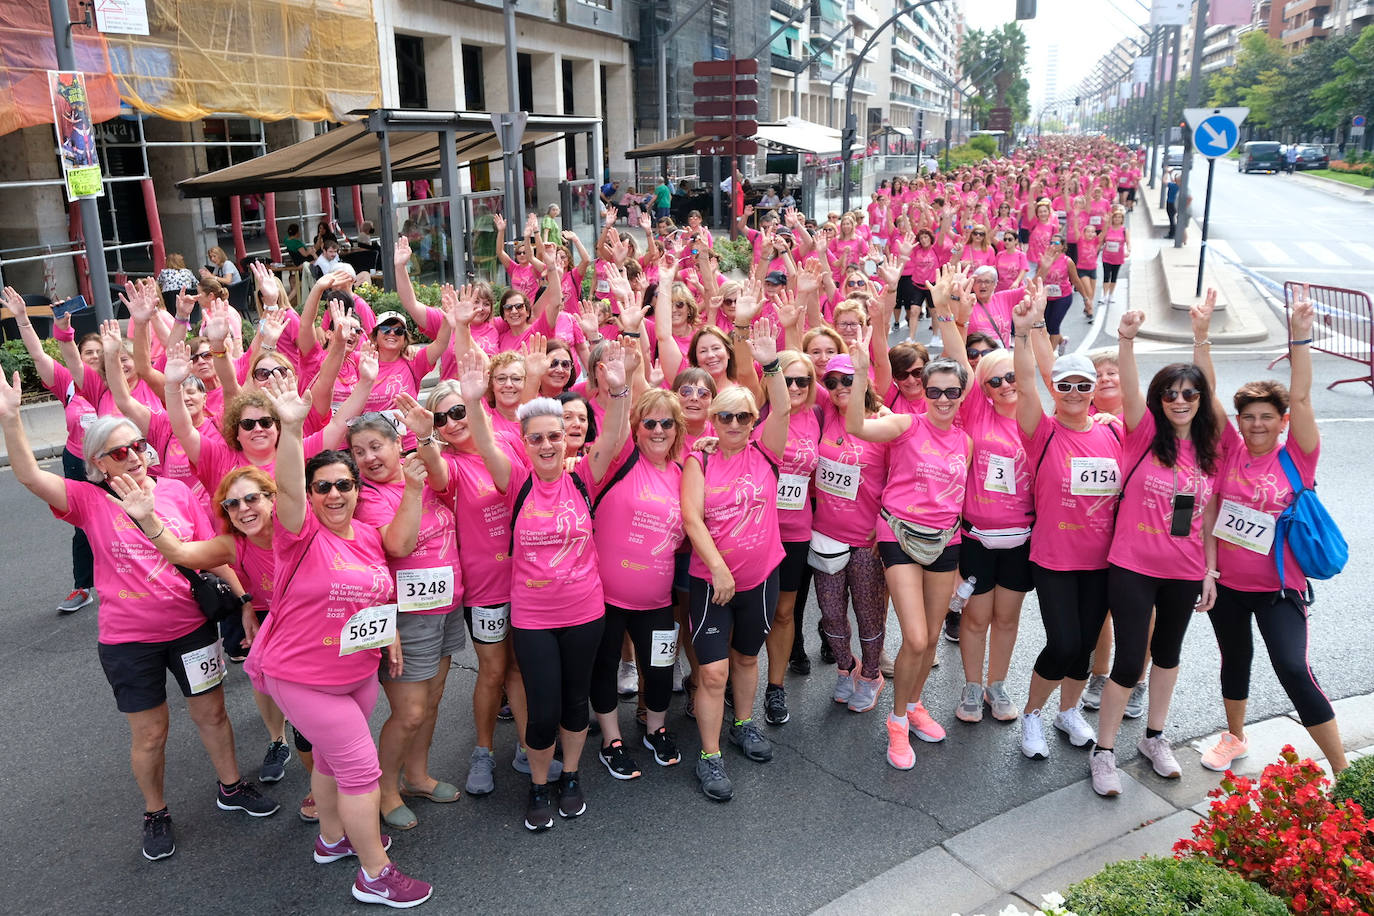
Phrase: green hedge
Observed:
(1356, 782)
(1170, 887)
(14, 358)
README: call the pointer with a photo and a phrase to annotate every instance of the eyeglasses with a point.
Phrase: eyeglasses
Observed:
(975, 353)
(394, 330)
(728, 418)
(1188, 394)
(798, 381)
(247, 425)
(848, 326)
(508, 379)
(202, 356)
(538, 439)
(997, 381)
(978, 232)
(650, 424)
(263, 373)
(322, 487)
(1081, 387)
(835, 381)
(694, 391)
(904, 374)
(249, 500)
(560, 364)
(121, 452)
(953, 394)
(456, 412)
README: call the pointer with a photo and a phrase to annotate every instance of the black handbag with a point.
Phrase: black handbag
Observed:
(213, 595)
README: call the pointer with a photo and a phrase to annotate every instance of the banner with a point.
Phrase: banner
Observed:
(1169, 12)
(1229, 12)
(71, 117)
(1140, 70)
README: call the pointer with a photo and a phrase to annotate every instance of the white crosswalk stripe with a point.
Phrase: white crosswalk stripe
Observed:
(1223, 248)
(1270, 254)
(1320, 253)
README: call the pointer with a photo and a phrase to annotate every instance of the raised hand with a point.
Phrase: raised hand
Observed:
(273, 325)
(1201, 315)
(613, 364)
(788, 312)
(368, 362)
(132, 298)
(178, 366)
(472, 377)
(749, 302)
(631, 315)
(414, 415)
(342, 279)
(136, 499)
(619, 282)
(809, 279)
(185, 305)
(111, 338)
(858, 353)
(644, 222)
(499, 221)
(655, 374)
(531, 225)
(1130, 324)
(890, 272)
(763, 341)
(1302, 316)
(11, 393)
(609, 216)
(215, 327)
(15, 303)
(1022, 315)
(291, 407)
(533, 350)
(589, 318)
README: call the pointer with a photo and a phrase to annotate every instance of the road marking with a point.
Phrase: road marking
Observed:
(1223, 248)
(1347, 271)
(1271, 253)
(1362, 251)
(1322, 254)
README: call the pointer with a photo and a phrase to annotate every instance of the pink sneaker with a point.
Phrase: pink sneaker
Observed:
(926, 728)
(1220, 755)
(324, 853)
(391, 888)
(899, 752)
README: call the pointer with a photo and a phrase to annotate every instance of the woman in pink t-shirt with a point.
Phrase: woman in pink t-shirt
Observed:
(1059, 278)
(1253, 488)
(1086, 242)
(730, 510)
(1010, 262)
(1116, 248)
(906, 393)
(822, 344)
(149, 624)
(523, 269)
(924, 495)
(977, 249)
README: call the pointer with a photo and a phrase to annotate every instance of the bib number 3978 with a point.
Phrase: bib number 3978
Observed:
(370, 628)
(1245, 527)
(838, 479)
(424, 589)
(1094, 477)
(204, 667)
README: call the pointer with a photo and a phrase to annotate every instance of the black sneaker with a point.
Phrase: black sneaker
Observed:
(618, 761)
(827, 657)
(504, 713)
(274, 764)
(539, 812)
(714, 783)
(243, 797)
(158, 841)
(664, 747)
(799, 664)
(571, 803)
(775, 705)
(951, 627)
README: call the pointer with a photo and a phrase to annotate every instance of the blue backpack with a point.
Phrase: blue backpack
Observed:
(1307, 530)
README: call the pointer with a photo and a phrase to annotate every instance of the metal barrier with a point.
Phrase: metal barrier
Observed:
(1344, 326)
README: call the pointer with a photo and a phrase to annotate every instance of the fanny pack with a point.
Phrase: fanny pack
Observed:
(826, 554)
(999, 538)
(922, 543)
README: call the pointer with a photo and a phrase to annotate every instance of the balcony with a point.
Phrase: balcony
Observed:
(823, 72)
(902, 73)
(865, 86)
(824, 28)
(1357, 15)
(1303, 34)
(901, 44)
(785, 63)
(901, 98)
(786, 7)
(863, 12)
(1294, 7)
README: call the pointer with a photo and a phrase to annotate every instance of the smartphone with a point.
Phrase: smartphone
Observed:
(71, 306)
(1181, 525)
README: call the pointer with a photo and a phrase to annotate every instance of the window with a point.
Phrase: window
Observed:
(474, 88)
(410, 72)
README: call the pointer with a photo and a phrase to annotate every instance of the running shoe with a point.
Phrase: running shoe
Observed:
(775, 705)
(274, 764)
(1160, 753)
(481, 772)
(1135, 704)
(539, 811)
(520, 763)
(1227, 750)
(243, 797)
(1106, 779)
(844, 685)
(1002, 708)
(899, 752)
(571, 802)
(391, 888)
(747, 737)
(326, 853)
(1071, 722)
(715, 785)
(970, 708)
(951, 627)
(827, 657)
(926, 728)
(663, 745)
(79, 598)
(159, 842)
(627, 681)
(865, 695)
(504, 713)
(886, 666)
(799, 664)
(1092, 694)
(1033, 743)
(1063, 346)
(617, 761)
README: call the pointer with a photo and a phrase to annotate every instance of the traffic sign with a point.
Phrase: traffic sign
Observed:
(725, 109)
(1215, 130)
(1357, 121)
(745, 66)
(709, 88)
(726, 147)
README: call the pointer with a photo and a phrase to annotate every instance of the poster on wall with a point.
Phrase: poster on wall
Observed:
(76, 149)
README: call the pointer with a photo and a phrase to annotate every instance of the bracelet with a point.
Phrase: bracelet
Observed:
(1297, 343)
(1128, 337)
(1213, 574)
(944, 317)
(634, 334)
(624, 393)
(1023, 337)
(598, 340)
(427, 440)
(27, 324)
(66, 336)
(773, 367)
(267, 348)
(220, 355)
(154, 537)
(1038, 324)
(179, 320)
(1203, 343)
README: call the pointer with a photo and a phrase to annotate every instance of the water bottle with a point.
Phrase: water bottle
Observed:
(962, 594)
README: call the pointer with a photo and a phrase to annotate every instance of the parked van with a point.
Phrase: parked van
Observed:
(1261, 156)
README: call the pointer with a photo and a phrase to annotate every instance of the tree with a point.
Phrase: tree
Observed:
(996, 59)
(1350, 88)
(1258, 54)
(1296, 107)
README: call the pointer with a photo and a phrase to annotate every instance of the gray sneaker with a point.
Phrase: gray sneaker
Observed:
(970, 708)
(79, 598)
(844, 685)
(521, 764)
(1092, 694)
(482, 772)
(1002, 708)
(1106, 780)
(1135, 706)
(714, 783)
(865, 695)
(747, 737)
(274, 764)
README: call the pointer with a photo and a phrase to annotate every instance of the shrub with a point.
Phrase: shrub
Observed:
(14, 358)
(984, 144)
(1170, 887)
(1356, 783)
(1353, 167)
(1286, 835)
(735, 254)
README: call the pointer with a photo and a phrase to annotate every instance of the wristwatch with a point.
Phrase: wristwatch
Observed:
(246, 598)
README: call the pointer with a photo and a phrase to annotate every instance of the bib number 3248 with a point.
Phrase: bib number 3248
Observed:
(424, 589)
(370, 628)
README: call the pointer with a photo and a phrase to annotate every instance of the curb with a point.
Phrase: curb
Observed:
(1354, 189)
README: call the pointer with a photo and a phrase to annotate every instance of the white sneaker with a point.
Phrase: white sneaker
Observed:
(1063, 346)
(1106, 780)
(1160, 753)
(1071, 722)
(627, 683)
(1033, 737)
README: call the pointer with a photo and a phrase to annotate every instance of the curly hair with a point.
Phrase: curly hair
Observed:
(265, 483)
(233, 412)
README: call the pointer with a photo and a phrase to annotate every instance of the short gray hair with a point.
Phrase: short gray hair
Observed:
(987, 270)
(944, 364)
(539, 407)
(97, 434)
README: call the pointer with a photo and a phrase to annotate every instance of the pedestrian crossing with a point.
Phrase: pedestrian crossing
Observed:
(1262, 254)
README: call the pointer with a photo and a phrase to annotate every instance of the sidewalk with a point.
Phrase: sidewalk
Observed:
(1068, 835)
(46, 425)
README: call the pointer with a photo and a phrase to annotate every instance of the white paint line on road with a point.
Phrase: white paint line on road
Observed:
(1223, 248)
(1322, 254)
(1270, 253)
(1352, 271)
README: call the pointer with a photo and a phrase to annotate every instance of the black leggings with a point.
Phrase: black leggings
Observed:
(658, 681)
(1282, 623)
(1109, 272)
(83, 562)
(1132, 595)
(1073, 607)
(556, 666)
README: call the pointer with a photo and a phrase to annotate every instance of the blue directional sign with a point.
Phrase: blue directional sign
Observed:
(1215, 130)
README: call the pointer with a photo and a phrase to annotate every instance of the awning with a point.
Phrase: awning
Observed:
(681, 145)
(802, 136)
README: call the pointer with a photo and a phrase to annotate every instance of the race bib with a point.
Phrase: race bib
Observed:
(1001, 475)
(792, 490)
(370, 628)
(1245, 527)
(1094, 477)
(424, 589)
(838, 479)
(1052, 291)
(1095, 220)
(204, 667)
(88, 418)
(663, 652)
(1113, 247)
(489, 623)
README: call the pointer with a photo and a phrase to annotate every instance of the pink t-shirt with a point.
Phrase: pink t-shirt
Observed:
(483, 524)
(1040, 235)
(979, 257)
(994, 318)
(740, 508)
(799, 460)
(1114, 246)
(1087, 252)
(142, 597)
(322, 580)
(1259, 483)
(554, 569)
(1010, 263)
(999, 465)
(1056, 279)
(172, 460)
(849, 519)
(437, 545)
(395, 377)
(256, 568)
(1075, 529)
(638, 530)
(1142, 542)
(924, 264)
(95, 391)
(927, 475)
(218, 459)
(898, 403)
(77, 411)
(524, 278)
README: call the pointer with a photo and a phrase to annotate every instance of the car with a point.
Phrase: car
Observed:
(1173, 157)
(1312, 157)
(1261, 156)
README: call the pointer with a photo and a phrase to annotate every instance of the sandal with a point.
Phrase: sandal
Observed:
(308, 812)
(442, 793)
(400, 818)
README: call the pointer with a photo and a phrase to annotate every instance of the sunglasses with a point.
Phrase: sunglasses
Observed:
(976, 232)
(854, 283)
(202, 356)
(729, 418)
(652, 424)
(392, 330)
(262, 374)
(456, 412)
(513, 306)
(727, 302)
(249, 500)
(121, 452)
(975, 353)
(560, 364)
(997, 381)
(537, 439)
(953, 394)
(798, 381)
(1081, 387)
(694, 391)
(904, 374)
(322, 487)
(835, 381)
(1188, 394)
(374, 415)
(260, 422)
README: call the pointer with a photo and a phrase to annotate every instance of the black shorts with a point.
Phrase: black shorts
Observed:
(792, 571)
(137, 671)
(907, 292)
(741, 624)
(1009, 568)
(493, 628)
(1130, 193)
(1023, 234)
(893, 555)
(1089, 272)
(1110, 272)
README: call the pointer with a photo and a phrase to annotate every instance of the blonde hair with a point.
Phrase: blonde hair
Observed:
(827, 332)
(737, 398)
(175, 261)
(500, 361)
(789, 358)
(657, 399)
(995, 363)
